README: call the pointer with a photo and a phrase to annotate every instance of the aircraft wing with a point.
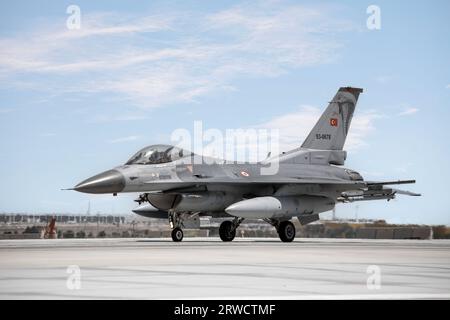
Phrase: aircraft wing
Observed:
(351, 190)
(201, 184)
(276, 180)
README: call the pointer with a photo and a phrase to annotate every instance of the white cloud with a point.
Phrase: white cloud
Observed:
(448, 86)
(372, 174)
(383, 79)
(292, 129)
(295, 126)
(405, 168)
(124, 139)
(408, 111)
(171, 57)
(118, 118)
(56, 49)
(104, 24)
(5, 111)
(48, 134)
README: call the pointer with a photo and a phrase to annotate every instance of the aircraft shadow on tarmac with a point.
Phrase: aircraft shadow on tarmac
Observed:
(216, 241)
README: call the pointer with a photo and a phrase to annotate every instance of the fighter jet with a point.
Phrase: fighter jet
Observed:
(178, 185)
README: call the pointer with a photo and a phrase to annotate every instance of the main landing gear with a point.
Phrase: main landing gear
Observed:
(227, 229)
(286, 229)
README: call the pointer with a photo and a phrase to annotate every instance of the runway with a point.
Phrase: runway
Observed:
(205, 268)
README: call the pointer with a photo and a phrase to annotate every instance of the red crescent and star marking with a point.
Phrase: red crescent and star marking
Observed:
(245, 174)
(334, 122)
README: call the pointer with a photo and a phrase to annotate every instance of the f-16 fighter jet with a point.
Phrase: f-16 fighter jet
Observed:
(180, 186)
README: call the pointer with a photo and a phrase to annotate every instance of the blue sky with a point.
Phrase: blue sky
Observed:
(77, 102)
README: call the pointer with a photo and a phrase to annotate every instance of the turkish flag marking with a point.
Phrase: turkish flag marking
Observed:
(333, 122)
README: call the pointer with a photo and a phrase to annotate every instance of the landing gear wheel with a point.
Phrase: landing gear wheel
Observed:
(226, 231)
(177, 234)
(286, 231)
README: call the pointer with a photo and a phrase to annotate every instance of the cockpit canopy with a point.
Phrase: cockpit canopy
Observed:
(157, 154)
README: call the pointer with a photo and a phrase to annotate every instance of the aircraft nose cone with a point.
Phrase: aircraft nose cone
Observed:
(110, 181)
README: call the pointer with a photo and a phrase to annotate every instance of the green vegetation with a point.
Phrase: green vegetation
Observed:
(81, 234)
(68, 234)
(32, 229)
(441, 232)
(101, 234)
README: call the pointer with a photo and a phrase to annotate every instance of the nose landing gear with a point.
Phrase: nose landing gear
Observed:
(177, 234)
(176, 223)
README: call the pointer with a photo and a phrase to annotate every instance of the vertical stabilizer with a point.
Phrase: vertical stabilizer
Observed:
(331, 130)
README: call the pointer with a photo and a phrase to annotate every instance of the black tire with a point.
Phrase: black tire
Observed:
(177, 234)
(286, 231)
(225, 231)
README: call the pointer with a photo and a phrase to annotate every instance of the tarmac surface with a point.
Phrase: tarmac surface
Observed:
(206, 268)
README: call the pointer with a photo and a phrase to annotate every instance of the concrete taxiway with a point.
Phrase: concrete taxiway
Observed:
(210, 269)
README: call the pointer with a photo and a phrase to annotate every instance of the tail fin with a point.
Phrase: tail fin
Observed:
(330, 131)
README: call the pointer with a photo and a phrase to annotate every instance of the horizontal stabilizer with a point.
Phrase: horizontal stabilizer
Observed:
(376, 191)
(406, 193)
